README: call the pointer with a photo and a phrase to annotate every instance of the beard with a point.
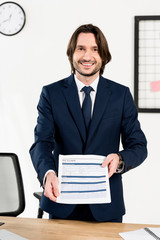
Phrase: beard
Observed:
(84, 73)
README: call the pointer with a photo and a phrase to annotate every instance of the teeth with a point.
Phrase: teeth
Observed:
(85, 64)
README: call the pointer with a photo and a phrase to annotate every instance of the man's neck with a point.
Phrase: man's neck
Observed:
(87, 80)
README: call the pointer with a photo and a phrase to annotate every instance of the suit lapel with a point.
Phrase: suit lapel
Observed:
(72, 98)
(101, 101)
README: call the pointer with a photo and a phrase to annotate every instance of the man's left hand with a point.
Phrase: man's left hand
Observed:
(112, 161)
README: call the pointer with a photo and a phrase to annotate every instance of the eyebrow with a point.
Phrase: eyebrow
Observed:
(80, 46)
(84, 46)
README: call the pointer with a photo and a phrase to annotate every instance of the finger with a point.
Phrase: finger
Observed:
(108, 159)
(111, 170)
(50, 196)
(112, 167)
(110, 174)
(51, 190)
(51, 187)
(56, 191)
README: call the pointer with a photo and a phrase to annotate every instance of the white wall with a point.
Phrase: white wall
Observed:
(37, 56)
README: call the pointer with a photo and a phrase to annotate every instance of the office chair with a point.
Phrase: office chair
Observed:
(12, 199)
(38, 195)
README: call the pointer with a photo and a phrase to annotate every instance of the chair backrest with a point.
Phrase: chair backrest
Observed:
(12, 199)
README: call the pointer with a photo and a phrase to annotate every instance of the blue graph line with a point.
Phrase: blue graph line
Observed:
(100, 190)
(65, 176)
(83, 182)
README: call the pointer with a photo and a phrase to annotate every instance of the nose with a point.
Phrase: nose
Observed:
(87, 55)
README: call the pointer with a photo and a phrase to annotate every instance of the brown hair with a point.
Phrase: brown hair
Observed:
(100, 40)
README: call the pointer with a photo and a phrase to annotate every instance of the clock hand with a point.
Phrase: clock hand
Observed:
(8, 19)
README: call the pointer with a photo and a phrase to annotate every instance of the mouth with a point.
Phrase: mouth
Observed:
(87, 64)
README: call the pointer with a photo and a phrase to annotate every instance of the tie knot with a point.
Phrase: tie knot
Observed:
(87, 90)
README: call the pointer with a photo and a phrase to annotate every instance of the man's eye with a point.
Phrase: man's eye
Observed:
(80, 48)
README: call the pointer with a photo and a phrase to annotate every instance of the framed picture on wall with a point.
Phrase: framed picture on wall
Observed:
(147, 63)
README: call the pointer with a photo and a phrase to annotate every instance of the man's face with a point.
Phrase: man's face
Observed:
(86, 58)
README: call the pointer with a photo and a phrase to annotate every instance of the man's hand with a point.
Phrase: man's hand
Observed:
(51, 189)
(112, 161)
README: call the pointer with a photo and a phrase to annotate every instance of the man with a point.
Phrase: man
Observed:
(62, 127)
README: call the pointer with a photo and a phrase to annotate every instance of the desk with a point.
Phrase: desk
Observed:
(44, 229)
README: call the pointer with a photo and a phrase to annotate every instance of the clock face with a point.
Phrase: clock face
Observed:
(12, 18)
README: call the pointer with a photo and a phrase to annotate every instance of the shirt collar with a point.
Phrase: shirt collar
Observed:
(80, 85)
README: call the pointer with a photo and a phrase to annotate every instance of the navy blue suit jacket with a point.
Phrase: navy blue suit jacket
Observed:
(60, 130)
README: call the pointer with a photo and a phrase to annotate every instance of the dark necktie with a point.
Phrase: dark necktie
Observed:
(87, 106)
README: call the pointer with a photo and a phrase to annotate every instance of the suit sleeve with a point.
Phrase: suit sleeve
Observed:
(41, 150)
(133, 139)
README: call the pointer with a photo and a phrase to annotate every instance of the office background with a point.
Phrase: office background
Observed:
(37, 56)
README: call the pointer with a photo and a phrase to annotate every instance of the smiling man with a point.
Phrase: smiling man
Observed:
(86, 59)
(87, 114)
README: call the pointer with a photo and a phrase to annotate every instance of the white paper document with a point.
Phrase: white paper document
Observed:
(7, 235)
(141, 234)
(83, 180)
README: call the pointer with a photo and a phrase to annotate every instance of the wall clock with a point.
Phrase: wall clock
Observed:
(12, 18)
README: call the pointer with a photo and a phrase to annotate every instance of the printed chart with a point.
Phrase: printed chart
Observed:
(83, 180)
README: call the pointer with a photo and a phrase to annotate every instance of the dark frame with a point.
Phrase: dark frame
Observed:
(23, 22)
(21, 195)
(136, 62)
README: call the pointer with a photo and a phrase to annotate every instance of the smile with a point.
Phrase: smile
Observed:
(87, 64)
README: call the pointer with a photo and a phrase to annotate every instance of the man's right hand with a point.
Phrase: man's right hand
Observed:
(51, 189)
